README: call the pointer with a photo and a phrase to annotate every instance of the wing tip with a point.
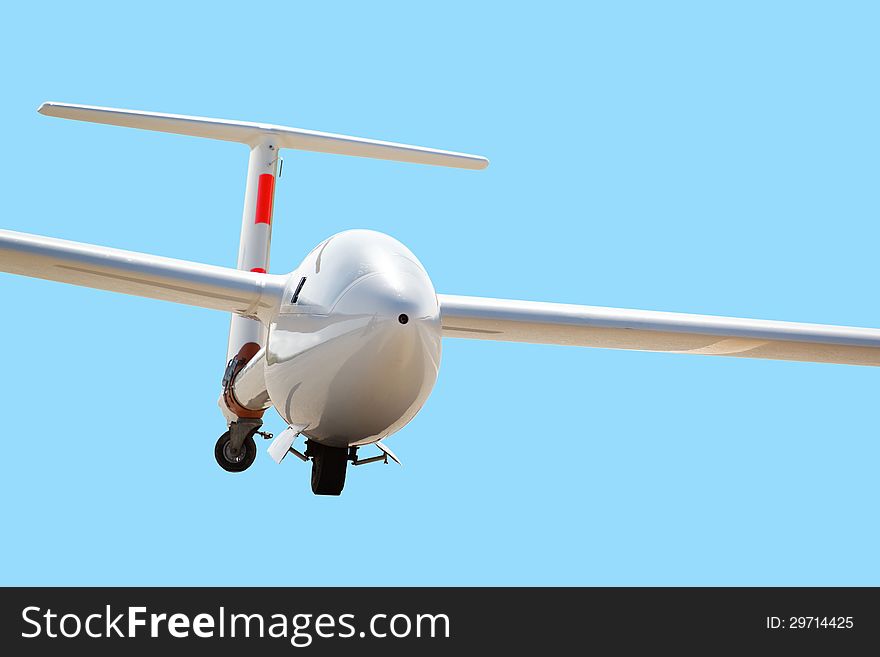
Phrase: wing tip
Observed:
(465, 161)
(54, 108)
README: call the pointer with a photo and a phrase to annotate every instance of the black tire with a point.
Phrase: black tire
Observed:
(242, 461)
(328, 470)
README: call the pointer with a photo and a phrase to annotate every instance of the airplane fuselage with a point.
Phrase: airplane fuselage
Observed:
(354, 350)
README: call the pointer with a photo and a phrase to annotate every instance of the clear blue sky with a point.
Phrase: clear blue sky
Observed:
(671, 156)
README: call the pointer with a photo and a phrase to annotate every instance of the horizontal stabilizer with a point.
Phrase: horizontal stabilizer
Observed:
(253, 133)
(243, 293)
(647, 330)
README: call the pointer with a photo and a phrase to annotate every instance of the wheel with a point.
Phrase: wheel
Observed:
(237, 462)
(328, 469)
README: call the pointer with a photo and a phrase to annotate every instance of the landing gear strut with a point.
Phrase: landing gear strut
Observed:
(328, 468)
(236, 449)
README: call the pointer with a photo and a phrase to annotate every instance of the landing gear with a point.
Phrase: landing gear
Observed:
(236, 449)
(328, 468)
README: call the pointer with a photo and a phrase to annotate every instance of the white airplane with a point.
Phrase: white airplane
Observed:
(346, 347)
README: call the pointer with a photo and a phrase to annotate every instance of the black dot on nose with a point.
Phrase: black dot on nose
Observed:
(403, 319)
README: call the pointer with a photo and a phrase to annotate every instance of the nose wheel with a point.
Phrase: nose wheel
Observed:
(236, 449)
(328, 468)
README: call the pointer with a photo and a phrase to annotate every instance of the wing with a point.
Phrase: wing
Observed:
(647, 330)
(247, 132)
(244, 293)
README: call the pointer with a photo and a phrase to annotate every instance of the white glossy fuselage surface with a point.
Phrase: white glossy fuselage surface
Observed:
(356, 355)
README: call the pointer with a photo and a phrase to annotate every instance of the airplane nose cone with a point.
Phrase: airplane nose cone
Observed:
(358, 355)
(386, 362)
(398, 302)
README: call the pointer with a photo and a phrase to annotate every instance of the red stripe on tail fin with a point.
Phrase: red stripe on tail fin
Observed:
(265, 196)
